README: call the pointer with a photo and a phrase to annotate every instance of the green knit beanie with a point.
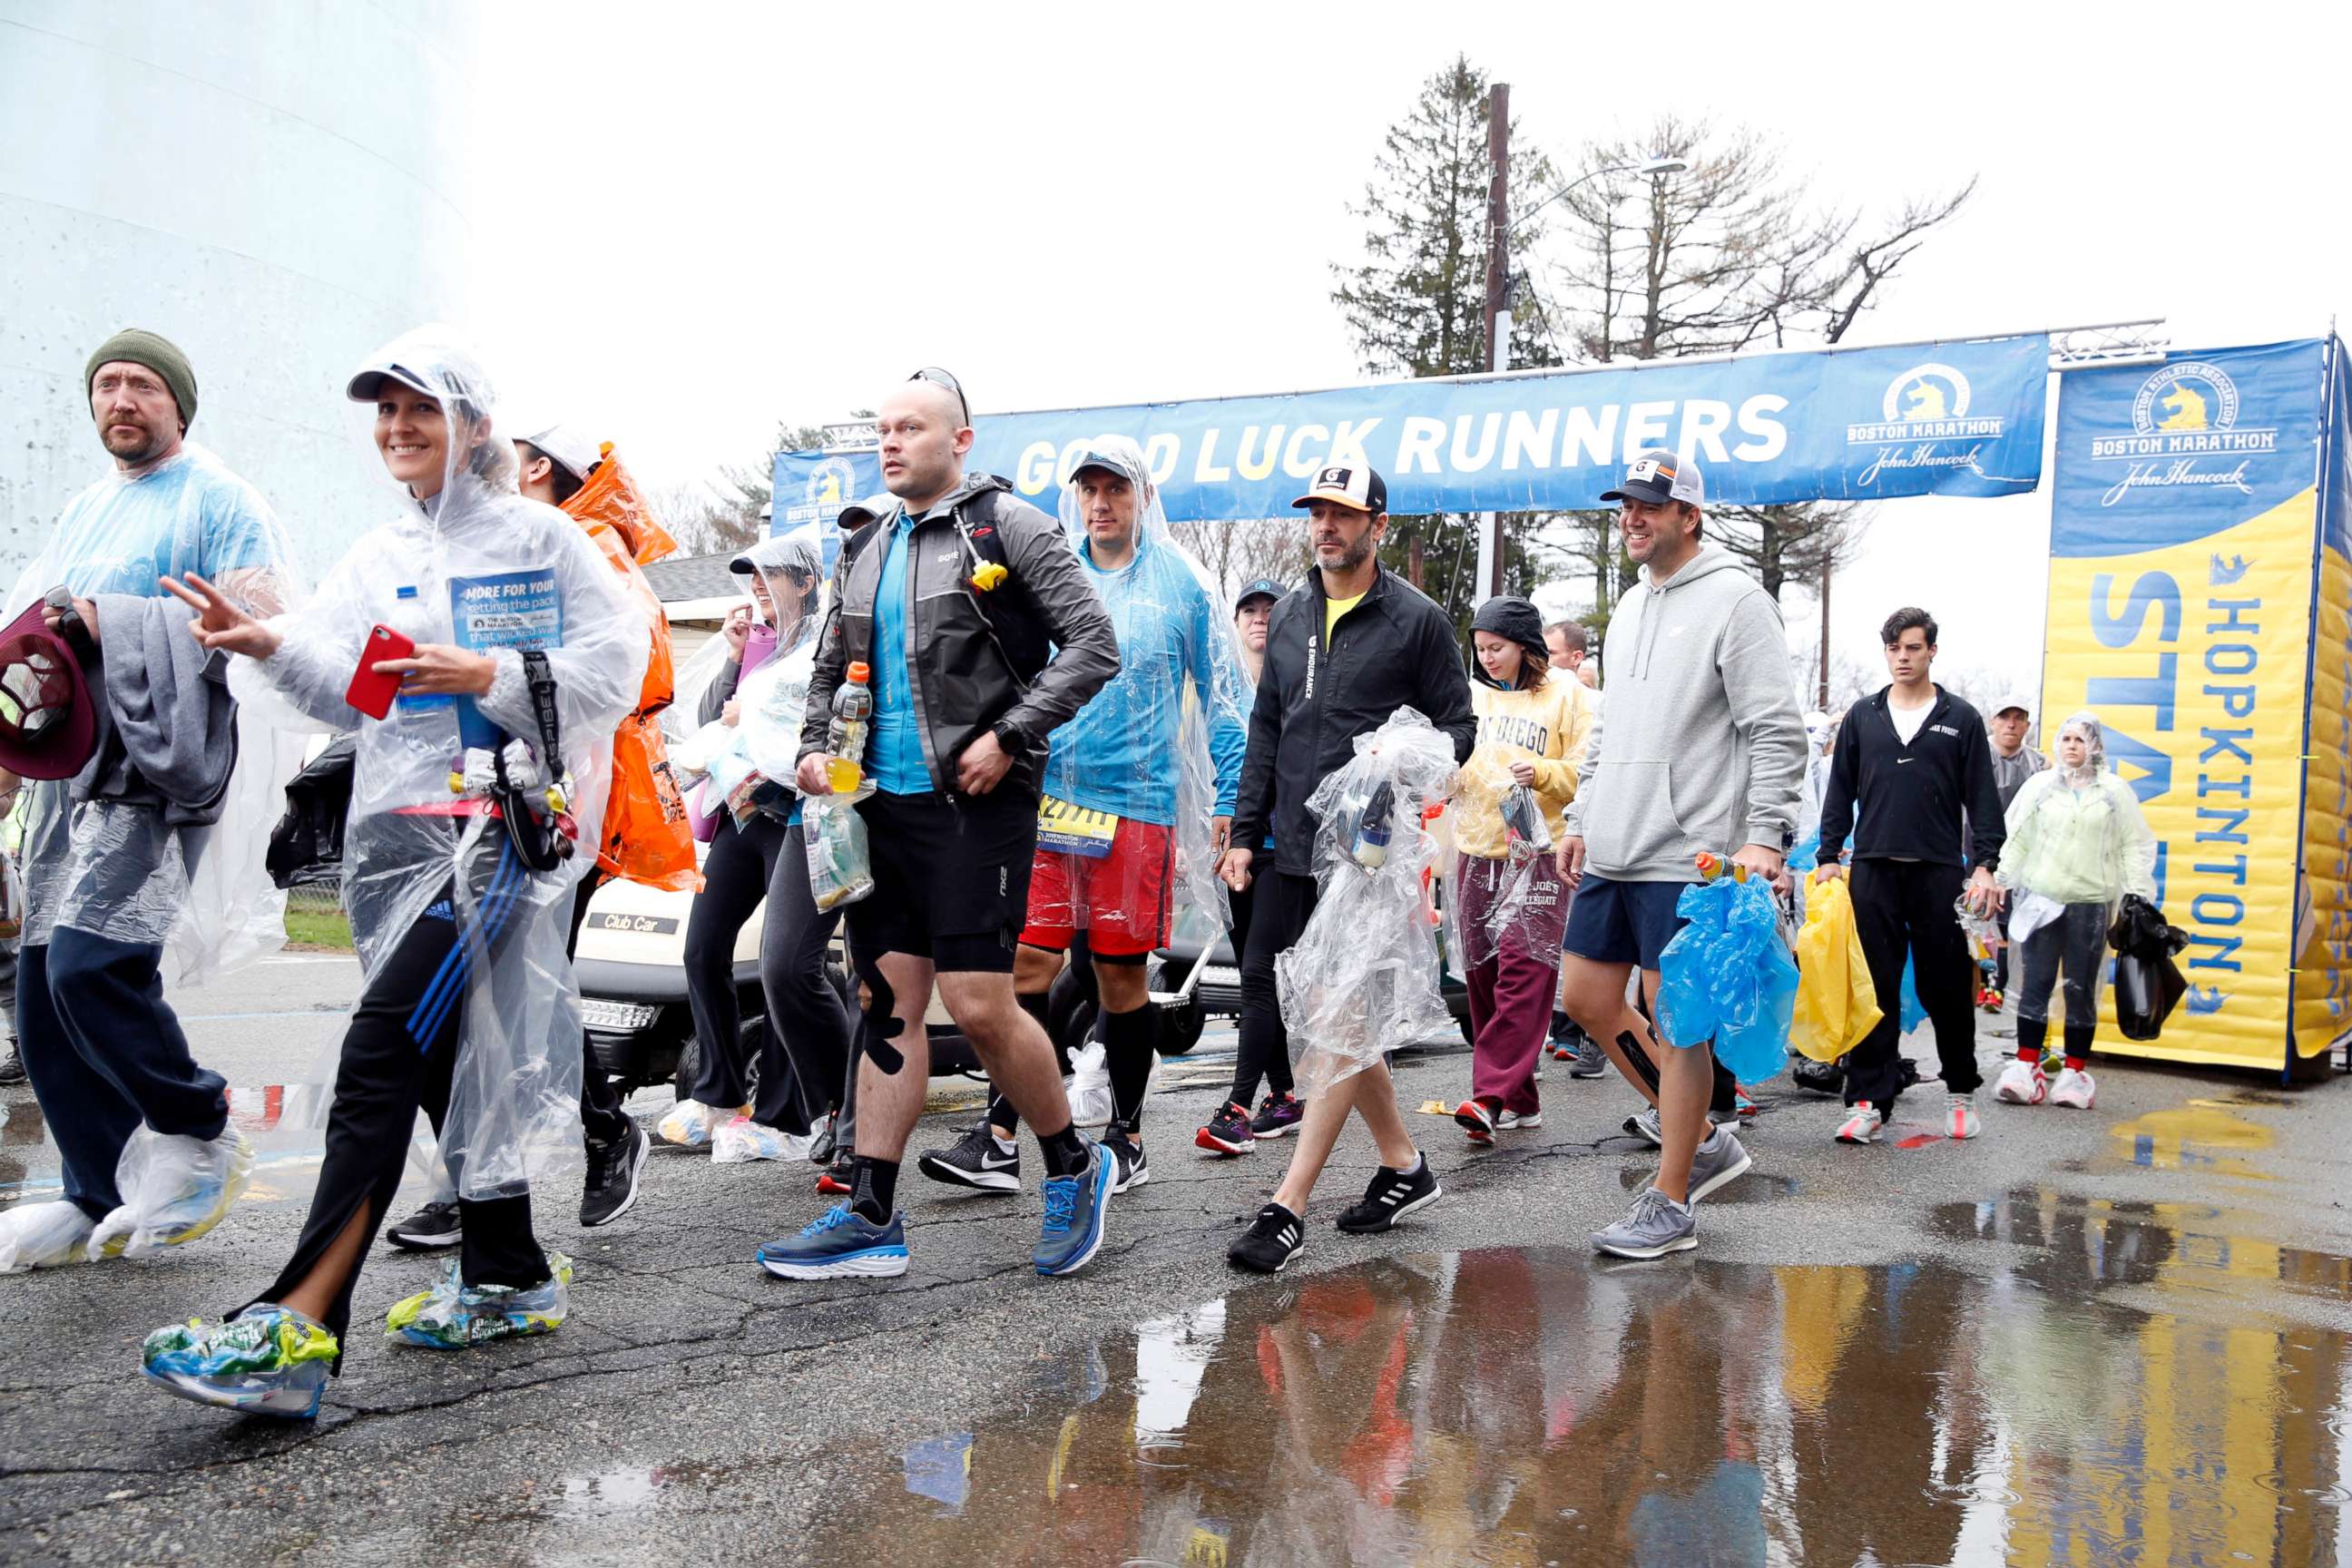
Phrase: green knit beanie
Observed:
(158, 354)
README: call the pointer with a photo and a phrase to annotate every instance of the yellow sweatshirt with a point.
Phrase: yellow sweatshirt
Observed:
(1548, 722)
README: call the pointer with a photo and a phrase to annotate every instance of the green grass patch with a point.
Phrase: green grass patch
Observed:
(327, 928)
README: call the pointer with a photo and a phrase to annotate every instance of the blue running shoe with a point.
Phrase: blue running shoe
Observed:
(272, 1361)
(1073, 1232)
(840, 1244)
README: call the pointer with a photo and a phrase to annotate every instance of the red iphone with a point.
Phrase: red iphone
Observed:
(372, 693)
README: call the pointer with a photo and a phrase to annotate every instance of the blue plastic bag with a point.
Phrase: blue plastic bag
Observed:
(1729, 976)
(1913, 1015)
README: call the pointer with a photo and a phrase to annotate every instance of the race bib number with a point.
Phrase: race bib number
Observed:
(1066, 830)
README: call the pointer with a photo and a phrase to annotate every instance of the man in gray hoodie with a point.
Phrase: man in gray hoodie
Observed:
(1700, 749)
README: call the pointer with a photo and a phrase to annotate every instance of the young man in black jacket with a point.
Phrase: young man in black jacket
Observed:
(1908, 762)
(1343, 652)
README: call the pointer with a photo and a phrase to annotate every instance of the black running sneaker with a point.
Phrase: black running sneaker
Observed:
(1277, 1114)
(1273, 1239)
(1228, 1131)
(613, 1172)
(1129, 1167)
(1392, 1196)
(974, 1160)
(433, 1225)
(12, 1065)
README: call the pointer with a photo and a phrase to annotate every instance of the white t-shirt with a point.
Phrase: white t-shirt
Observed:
(1908, 720)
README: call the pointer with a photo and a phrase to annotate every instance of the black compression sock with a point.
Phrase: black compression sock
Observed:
(1065, 1153)
(874, 1188)
(1128, 1042)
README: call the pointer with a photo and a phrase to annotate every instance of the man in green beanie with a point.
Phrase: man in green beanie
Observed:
(110, 858)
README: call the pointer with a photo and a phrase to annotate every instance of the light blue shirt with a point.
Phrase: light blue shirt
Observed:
(894, 747)
(189, 515)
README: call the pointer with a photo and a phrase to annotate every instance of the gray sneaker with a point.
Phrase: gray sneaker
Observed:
(1655, 1226)
(1719, 1160)
(1645, 1125)
(1588, 1062)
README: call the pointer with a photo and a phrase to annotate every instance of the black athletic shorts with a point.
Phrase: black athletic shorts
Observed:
(951, 878)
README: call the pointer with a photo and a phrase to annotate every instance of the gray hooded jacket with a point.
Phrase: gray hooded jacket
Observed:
(1700, 746)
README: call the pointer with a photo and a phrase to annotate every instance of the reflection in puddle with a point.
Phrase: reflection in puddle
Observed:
(2202, 1135)
(1534, 1406)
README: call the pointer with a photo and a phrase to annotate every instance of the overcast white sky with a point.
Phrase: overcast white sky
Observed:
(696, 221)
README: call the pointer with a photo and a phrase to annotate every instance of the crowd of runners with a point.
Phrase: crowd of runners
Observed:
(983, 744)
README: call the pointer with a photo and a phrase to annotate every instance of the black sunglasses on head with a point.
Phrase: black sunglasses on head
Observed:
(939, 377)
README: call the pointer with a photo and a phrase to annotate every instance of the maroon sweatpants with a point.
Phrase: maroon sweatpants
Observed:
(1511, 993)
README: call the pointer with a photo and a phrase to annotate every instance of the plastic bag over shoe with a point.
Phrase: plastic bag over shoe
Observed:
(527, 573)
(1363, 979)
(1162, 744)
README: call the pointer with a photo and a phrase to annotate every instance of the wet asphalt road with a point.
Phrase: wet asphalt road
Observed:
(2112, 1337)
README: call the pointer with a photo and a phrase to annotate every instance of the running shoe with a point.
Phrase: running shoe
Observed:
(2021, 1083)
(1818, 1078)
(1720, 1160)
(1960, 1117)
(1654, 1227)
(12, 1065)
(1515, 1121)
(437, 1224)
(1645, 1125)
(453, 1314)
(1134, 1169)
(1271, 1240)
(2074, 1090)
(691, 1124)
(1477, 1121)
(1277, 1114)
(269, 1361)
(1392, 1195)
(840, 1244)
(1074, 1208)
(613, 1172)
(1862, 1121)
(1587, 1060)
(1228, 1131)
(837, 1180)
(976, 1161)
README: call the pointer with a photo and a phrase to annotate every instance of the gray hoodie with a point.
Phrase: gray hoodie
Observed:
(1700, 747)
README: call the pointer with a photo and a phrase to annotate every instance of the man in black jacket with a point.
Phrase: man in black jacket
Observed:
(1343, 652)
(1910, 762)
(982, 634)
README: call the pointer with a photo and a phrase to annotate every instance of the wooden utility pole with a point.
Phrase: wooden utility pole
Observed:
(1498, 311)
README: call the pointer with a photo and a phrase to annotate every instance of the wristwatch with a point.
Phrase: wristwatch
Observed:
(1010, 736)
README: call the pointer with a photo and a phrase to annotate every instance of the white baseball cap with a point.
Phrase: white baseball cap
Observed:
(576, 453)
(2017, 699)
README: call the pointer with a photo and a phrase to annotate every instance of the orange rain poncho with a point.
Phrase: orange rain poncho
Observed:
(647, 838)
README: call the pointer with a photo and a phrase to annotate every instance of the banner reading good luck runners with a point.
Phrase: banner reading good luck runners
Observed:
(1955, 419)
(2182, 533)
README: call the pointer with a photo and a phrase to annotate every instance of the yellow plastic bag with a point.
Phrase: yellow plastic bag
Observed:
(1836, 1004)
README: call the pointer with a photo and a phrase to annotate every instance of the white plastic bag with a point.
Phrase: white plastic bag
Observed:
(175, 1189)
(43, 1236)
(1090, 1086)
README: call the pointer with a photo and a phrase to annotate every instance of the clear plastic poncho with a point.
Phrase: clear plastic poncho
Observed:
(1161, 745)
(764, 741)
(207, 897)
(2075, 835)
(479, 566)
(1363, 979)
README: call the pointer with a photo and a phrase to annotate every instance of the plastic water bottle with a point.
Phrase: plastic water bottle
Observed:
(853, 711)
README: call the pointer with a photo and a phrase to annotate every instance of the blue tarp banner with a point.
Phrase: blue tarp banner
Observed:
(1957, 418)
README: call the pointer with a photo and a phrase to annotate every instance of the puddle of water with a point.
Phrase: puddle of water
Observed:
(2202, 1135)
(2086, 1242)
(1512, 1406)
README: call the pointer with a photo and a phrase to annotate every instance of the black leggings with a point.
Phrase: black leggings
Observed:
(398, 1055)
(735, 877)
(806, 1021)
(1280, 906)
(2077, 941)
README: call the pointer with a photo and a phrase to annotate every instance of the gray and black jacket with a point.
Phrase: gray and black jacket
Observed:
(1021, 660)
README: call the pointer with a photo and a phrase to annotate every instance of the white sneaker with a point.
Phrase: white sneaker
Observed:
(1507, 1120)
(2021, 1083)
(1960, 1118)
(2074, 1090)
(1862, 1121)
(690, 1123)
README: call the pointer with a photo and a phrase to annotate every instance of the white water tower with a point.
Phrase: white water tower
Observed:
(271, 183)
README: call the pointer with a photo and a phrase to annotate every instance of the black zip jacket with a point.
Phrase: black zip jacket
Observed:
(1911, 798)
(1395, 649)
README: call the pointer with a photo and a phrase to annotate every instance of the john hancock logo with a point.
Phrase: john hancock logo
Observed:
(2183, 413)
(1924, 423)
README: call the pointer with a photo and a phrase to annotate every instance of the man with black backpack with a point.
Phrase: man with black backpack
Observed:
(983, 637)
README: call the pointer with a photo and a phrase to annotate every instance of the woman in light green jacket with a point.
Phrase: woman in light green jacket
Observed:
(2078, 843)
